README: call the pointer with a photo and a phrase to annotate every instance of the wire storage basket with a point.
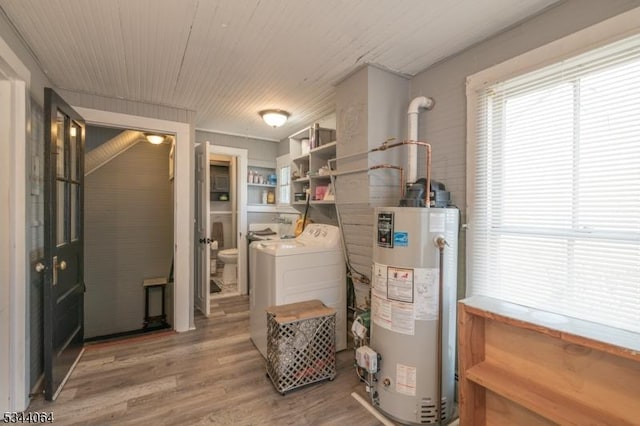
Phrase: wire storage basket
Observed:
(301, 344)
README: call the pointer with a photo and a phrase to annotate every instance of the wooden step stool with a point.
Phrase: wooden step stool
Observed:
(148, 284)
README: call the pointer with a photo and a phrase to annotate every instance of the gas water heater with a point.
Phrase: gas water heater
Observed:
(414, 254)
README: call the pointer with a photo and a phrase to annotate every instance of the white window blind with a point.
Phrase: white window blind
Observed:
(555, 216)
(283, 166)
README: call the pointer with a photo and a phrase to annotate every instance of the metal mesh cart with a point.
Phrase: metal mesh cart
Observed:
(301, 344)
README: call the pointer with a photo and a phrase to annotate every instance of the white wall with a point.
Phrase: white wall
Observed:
(445, 125)
(5, 247)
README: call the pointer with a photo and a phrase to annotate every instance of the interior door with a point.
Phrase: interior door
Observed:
(203, 229)
(64, 242)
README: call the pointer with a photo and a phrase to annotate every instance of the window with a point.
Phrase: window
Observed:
(283, 166)
(555, 216)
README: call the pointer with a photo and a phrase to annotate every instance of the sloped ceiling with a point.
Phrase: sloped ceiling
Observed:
(107, 151)
(227, 60)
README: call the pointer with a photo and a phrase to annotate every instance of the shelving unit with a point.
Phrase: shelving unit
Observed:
(312, 167)
(219, 181)
(255, 189)
(524, 366)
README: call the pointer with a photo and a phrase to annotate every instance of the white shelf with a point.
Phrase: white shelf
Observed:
(301, 159)
(220, 212)
(312, 202)
(262, 208)
(301, 134)
(256, 190)
(311, 162)
(330, 147)
(263, 185)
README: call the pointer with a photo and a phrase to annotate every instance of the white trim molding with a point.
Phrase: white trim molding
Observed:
(14, 306)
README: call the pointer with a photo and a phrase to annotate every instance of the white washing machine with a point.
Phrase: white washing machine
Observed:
(260, 232)
(287, 271)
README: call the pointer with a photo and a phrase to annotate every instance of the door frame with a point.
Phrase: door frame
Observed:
(242, 156)
(14, 308)
(183, 211)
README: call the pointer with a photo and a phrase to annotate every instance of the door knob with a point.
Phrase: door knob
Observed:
(40, 267)
(57, 265)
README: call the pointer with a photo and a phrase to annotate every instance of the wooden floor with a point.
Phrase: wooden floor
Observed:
(213, 375)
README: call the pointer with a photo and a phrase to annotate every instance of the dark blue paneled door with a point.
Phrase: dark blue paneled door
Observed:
(64, 242)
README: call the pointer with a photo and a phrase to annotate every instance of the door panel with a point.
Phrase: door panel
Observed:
(203, 232)
(64, 244)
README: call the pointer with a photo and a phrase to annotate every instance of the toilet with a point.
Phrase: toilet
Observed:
(213, 256)
(230, 259)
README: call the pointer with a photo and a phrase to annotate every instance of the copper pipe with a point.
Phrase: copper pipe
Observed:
(427, 162)
(334, 174)
(385, 145)
(389, 166)
(440, 242)
(357, 154)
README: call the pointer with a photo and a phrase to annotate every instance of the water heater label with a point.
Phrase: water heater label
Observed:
(385, 230)
(401, 239)
(437, 222)
(379, 281)
(406, 379)
(426, 294)
(394, 316)
(400, 284)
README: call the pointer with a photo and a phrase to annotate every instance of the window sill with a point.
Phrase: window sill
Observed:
(566, 328)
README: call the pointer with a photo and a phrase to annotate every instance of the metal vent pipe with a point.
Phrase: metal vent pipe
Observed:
(421, 102)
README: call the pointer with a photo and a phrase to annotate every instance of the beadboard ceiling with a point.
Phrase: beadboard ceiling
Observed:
(228, 59)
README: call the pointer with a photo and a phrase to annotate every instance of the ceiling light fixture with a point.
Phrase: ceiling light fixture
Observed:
(155, 139)
(274, 117)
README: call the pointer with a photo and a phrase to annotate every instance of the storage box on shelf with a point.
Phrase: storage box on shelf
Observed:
(311, 149)
(524, 366)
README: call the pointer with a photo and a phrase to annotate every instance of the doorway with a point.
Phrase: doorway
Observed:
(183, 231)
(238, 183)
(223, 222)
(128, 231)
(209, 211)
